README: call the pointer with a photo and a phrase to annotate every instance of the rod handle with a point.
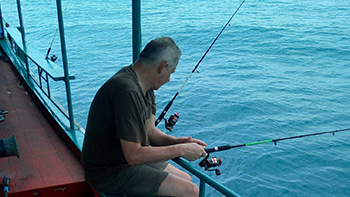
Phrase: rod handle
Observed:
(217, 148)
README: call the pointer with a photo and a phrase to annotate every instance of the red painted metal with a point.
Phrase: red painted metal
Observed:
(47, 166)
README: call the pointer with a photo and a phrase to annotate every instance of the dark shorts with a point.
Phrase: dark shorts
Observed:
(137, 180)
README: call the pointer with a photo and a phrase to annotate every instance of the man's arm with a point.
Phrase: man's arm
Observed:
(136, 154)
(175, 147)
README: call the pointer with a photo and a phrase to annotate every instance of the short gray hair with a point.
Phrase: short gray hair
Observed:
(161, 49)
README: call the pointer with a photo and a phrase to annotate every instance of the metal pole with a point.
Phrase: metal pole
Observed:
(2, 33)
(21, 29)
(65, 63)
(136, 29)
(202, 188)
(203, 177)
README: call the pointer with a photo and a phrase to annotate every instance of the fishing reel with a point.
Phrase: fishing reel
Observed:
(53, 58)
(170, 123)
(211, 164)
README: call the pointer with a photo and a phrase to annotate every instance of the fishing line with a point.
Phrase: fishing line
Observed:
(227, 147)
(161, 116)
(53, 39)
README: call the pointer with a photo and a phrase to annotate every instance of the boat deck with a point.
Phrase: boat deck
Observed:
(47, 166)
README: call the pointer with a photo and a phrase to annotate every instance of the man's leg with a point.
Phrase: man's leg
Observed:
(176, 171)
(177, 183)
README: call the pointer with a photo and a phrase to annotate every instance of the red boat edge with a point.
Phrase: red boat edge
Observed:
(49, 163)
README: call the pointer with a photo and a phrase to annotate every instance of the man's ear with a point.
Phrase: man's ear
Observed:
(161, 66)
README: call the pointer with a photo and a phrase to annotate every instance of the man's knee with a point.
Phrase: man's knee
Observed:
(178, 186)
(173, 170)
(187, 177)
(188, 190)
(192, 190)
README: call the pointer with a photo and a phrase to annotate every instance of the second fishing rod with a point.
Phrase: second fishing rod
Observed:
(173, 119)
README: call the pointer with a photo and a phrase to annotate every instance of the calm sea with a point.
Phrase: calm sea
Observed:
(281, 68)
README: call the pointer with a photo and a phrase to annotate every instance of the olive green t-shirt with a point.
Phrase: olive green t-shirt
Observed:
(119, 110)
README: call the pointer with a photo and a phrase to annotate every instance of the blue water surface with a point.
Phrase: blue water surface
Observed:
(281, 68)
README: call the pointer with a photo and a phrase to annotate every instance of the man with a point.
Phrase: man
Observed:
(123, 151)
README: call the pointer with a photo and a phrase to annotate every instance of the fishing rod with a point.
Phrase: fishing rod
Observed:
(54, 58)
(212, 164)
(227, 147)
(161, 116)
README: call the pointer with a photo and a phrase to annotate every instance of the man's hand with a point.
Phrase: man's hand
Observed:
(190, 140)
(199, 142)
(193, 151)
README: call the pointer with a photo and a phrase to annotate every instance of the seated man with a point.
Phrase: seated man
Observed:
(123, 151)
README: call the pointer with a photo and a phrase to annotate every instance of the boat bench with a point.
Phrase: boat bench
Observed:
(44, 65)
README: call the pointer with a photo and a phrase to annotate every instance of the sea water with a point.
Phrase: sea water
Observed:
(279, 69)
